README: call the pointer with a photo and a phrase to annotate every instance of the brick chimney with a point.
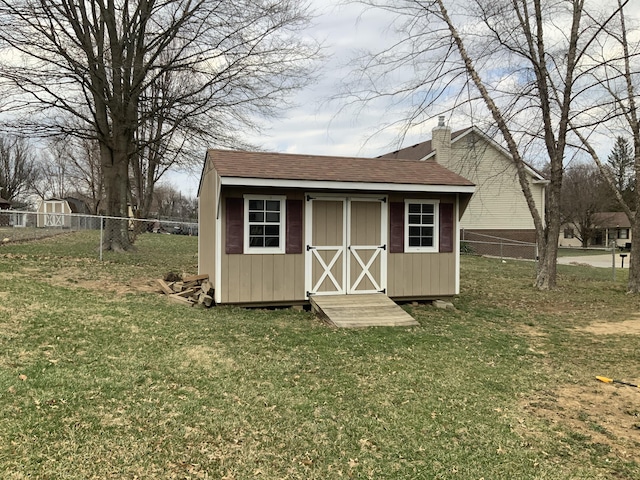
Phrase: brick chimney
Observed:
(441, 142)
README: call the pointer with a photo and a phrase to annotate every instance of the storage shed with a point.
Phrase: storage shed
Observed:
(276, 229)
(68, 212)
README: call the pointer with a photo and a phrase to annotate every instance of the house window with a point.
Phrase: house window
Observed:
(623, 233)
(421, 222)
(568, 233)
(264, 226)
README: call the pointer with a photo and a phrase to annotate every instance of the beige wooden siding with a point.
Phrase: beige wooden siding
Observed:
(416, 275)
(207, 211)
(365, 230)
(498, 202)
(421, 274)
(256, 278)
(262, 278)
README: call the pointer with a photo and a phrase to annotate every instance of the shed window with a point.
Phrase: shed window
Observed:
(421, 232)
(568, 233)
(264, 224)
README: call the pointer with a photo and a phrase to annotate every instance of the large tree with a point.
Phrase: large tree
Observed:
(98, 61)
(520, 63)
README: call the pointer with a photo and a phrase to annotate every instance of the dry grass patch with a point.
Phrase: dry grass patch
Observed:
(208, 358)
(600, 416)
(626, 327)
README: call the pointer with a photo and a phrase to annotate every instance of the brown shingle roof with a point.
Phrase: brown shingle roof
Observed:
(611, 220)
(282, 166)
(419, 150)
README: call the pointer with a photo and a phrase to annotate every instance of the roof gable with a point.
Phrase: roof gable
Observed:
(424, 150)
(281, 166)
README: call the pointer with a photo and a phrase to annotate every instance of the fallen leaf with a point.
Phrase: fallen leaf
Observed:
(22, 377)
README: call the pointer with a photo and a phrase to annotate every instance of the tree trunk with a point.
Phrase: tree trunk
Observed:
(115, 169)
(548, 255)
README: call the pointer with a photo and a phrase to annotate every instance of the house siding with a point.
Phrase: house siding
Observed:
(260, 278)
(498, 203)
(422, 275)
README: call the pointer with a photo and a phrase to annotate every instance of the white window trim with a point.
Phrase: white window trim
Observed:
(283, 216)
(436, 226)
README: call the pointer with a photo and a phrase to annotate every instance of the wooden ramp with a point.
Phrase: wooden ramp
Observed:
(362, 310)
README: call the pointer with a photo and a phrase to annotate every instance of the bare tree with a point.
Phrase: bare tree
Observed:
(584, 194)
(18, 170)
(618, 76)
(54, 171)
(229, 62)
(522, 64)
(168, 202)
(86, 173)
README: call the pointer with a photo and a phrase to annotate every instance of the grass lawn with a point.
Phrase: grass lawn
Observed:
(100, 377)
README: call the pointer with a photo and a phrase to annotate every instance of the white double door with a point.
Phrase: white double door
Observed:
(346, 251)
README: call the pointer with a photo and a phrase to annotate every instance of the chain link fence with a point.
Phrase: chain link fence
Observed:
(114, 232)
(474, 243)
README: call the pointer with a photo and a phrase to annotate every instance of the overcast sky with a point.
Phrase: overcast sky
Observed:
(315, 125)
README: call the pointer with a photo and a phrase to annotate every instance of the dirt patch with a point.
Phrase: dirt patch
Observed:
(599, 414)
(627, 327)
(77, 277)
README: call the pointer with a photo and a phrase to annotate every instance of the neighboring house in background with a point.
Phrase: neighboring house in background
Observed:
(58, 213)
(607, 226)
(498, 207)
(275, 229)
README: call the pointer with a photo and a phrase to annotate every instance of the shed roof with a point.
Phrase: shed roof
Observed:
(317, 168)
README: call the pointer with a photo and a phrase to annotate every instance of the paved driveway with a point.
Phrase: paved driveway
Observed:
(603, 261)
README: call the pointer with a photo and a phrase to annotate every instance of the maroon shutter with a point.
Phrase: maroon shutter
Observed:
(294, 226)
(396, 227)
(446, 227)
(235, 225)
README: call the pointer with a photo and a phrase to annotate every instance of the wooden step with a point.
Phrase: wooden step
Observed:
(361, 310)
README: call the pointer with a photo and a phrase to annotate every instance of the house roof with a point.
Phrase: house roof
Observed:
(420, 150)
(424, 150)
(4, 202)
(281, 169)
(611, 220)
